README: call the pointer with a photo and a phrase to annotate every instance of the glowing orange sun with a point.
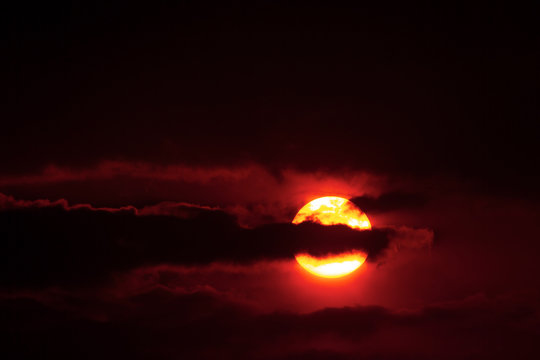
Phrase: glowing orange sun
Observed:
(333, 210)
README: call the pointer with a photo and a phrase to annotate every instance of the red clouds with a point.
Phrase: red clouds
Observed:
(252, 192)
(141, 273)
(205, 324)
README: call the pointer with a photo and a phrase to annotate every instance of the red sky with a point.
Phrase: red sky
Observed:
(152, 159)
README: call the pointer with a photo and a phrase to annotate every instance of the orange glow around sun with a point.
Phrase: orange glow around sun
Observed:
(333, 210)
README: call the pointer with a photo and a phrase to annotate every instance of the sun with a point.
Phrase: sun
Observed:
(333, 210)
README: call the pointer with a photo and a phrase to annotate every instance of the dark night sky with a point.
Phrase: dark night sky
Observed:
(152, 157)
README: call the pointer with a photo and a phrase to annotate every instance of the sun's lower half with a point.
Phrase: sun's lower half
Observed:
(332, 266)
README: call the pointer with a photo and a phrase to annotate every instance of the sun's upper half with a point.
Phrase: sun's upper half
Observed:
(333, 210)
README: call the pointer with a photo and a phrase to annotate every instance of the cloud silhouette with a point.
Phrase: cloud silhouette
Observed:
(390, 201)
(163, 323)
(52, 245)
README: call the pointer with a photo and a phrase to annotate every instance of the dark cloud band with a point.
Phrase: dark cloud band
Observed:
(52, 245)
